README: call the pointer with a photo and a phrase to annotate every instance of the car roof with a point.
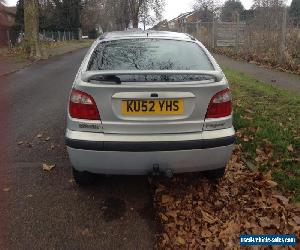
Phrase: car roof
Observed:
(136, 33)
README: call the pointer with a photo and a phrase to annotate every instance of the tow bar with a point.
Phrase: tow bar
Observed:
(156, 171)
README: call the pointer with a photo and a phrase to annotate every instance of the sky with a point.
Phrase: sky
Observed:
(173, 7)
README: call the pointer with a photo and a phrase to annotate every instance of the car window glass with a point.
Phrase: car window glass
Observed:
(149, 54)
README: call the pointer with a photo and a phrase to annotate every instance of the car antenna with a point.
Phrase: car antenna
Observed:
(147, 34)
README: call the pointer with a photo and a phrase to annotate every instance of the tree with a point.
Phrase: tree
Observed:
(49, 18)
(135, 7)
(31, 25)
(19, 20)
(117, 15)
(145, 16)
(267, 3)
(143, 10)
(69, 14)
(229, 9)
(151, 11)
(208, 9)
(295, 11)
(92, 16)
(268, 15)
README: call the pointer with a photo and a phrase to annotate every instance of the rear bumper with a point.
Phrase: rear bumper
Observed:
(137, 154)
(149, 146)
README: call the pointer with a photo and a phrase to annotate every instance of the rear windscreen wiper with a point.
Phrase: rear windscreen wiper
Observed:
(107, 78)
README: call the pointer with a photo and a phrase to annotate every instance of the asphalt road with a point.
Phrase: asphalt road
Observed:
(46, 210)
(274, 77)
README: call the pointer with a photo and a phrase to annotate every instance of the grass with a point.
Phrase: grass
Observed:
(83, 42)
(21, 56)
(267, 120)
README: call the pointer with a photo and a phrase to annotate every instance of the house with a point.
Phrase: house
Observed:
(177, 22)
(163, 25)
(7, 20)
(190, 17)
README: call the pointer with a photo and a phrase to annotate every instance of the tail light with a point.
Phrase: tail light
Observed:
(83, 106)
(220, 105)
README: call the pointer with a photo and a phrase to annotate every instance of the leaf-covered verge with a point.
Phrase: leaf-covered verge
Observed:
(260, 191)
(195, 213)
(267, 120)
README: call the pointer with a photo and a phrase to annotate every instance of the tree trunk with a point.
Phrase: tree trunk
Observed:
(31, 22)
(135, 21)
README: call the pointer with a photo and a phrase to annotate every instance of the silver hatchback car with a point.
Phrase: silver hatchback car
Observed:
(149, 102)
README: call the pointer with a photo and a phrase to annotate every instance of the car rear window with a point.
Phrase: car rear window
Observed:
(149, 54)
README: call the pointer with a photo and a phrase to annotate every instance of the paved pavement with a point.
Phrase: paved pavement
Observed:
(46, 210)
(10, 64)
(285, 80)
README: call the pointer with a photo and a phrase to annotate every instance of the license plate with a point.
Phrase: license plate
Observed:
(153, 107)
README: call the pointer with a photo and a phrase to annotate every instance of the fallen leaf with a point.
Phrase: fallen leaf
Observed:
(160, 188)
(232, 228)
(246, 117)
(39, 136)
(47, 139)
(281, 198)
(20, 142)
(208, 218)
(163, 217)
(85, 232)
(6, 189)
(297, 219)
(246, 139)
(265, 222)
(172, 214)
(290, 148)
(166, 199)
(206, 233)
(47, 167)
(271, 183)
(180, 240)
(249, 111)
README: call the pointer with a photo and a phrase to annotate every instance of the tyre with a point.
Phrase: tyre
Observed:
(84, 178)
(215, 174)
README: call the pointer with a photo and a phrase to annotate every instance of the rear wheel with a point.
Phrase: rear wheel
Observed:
(83, 178)
(215, 174)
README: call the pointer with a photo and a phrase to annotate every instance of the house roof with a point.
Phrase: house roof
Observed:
(183, 15)
(8, 9)
(7, 15)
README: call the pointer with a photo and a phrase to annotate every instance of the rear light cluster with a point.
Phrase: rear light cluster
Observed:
(220, 105)
(82, 106)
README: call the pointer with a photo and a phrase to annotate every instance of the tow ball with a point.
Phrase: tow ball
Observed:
(156, 171)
